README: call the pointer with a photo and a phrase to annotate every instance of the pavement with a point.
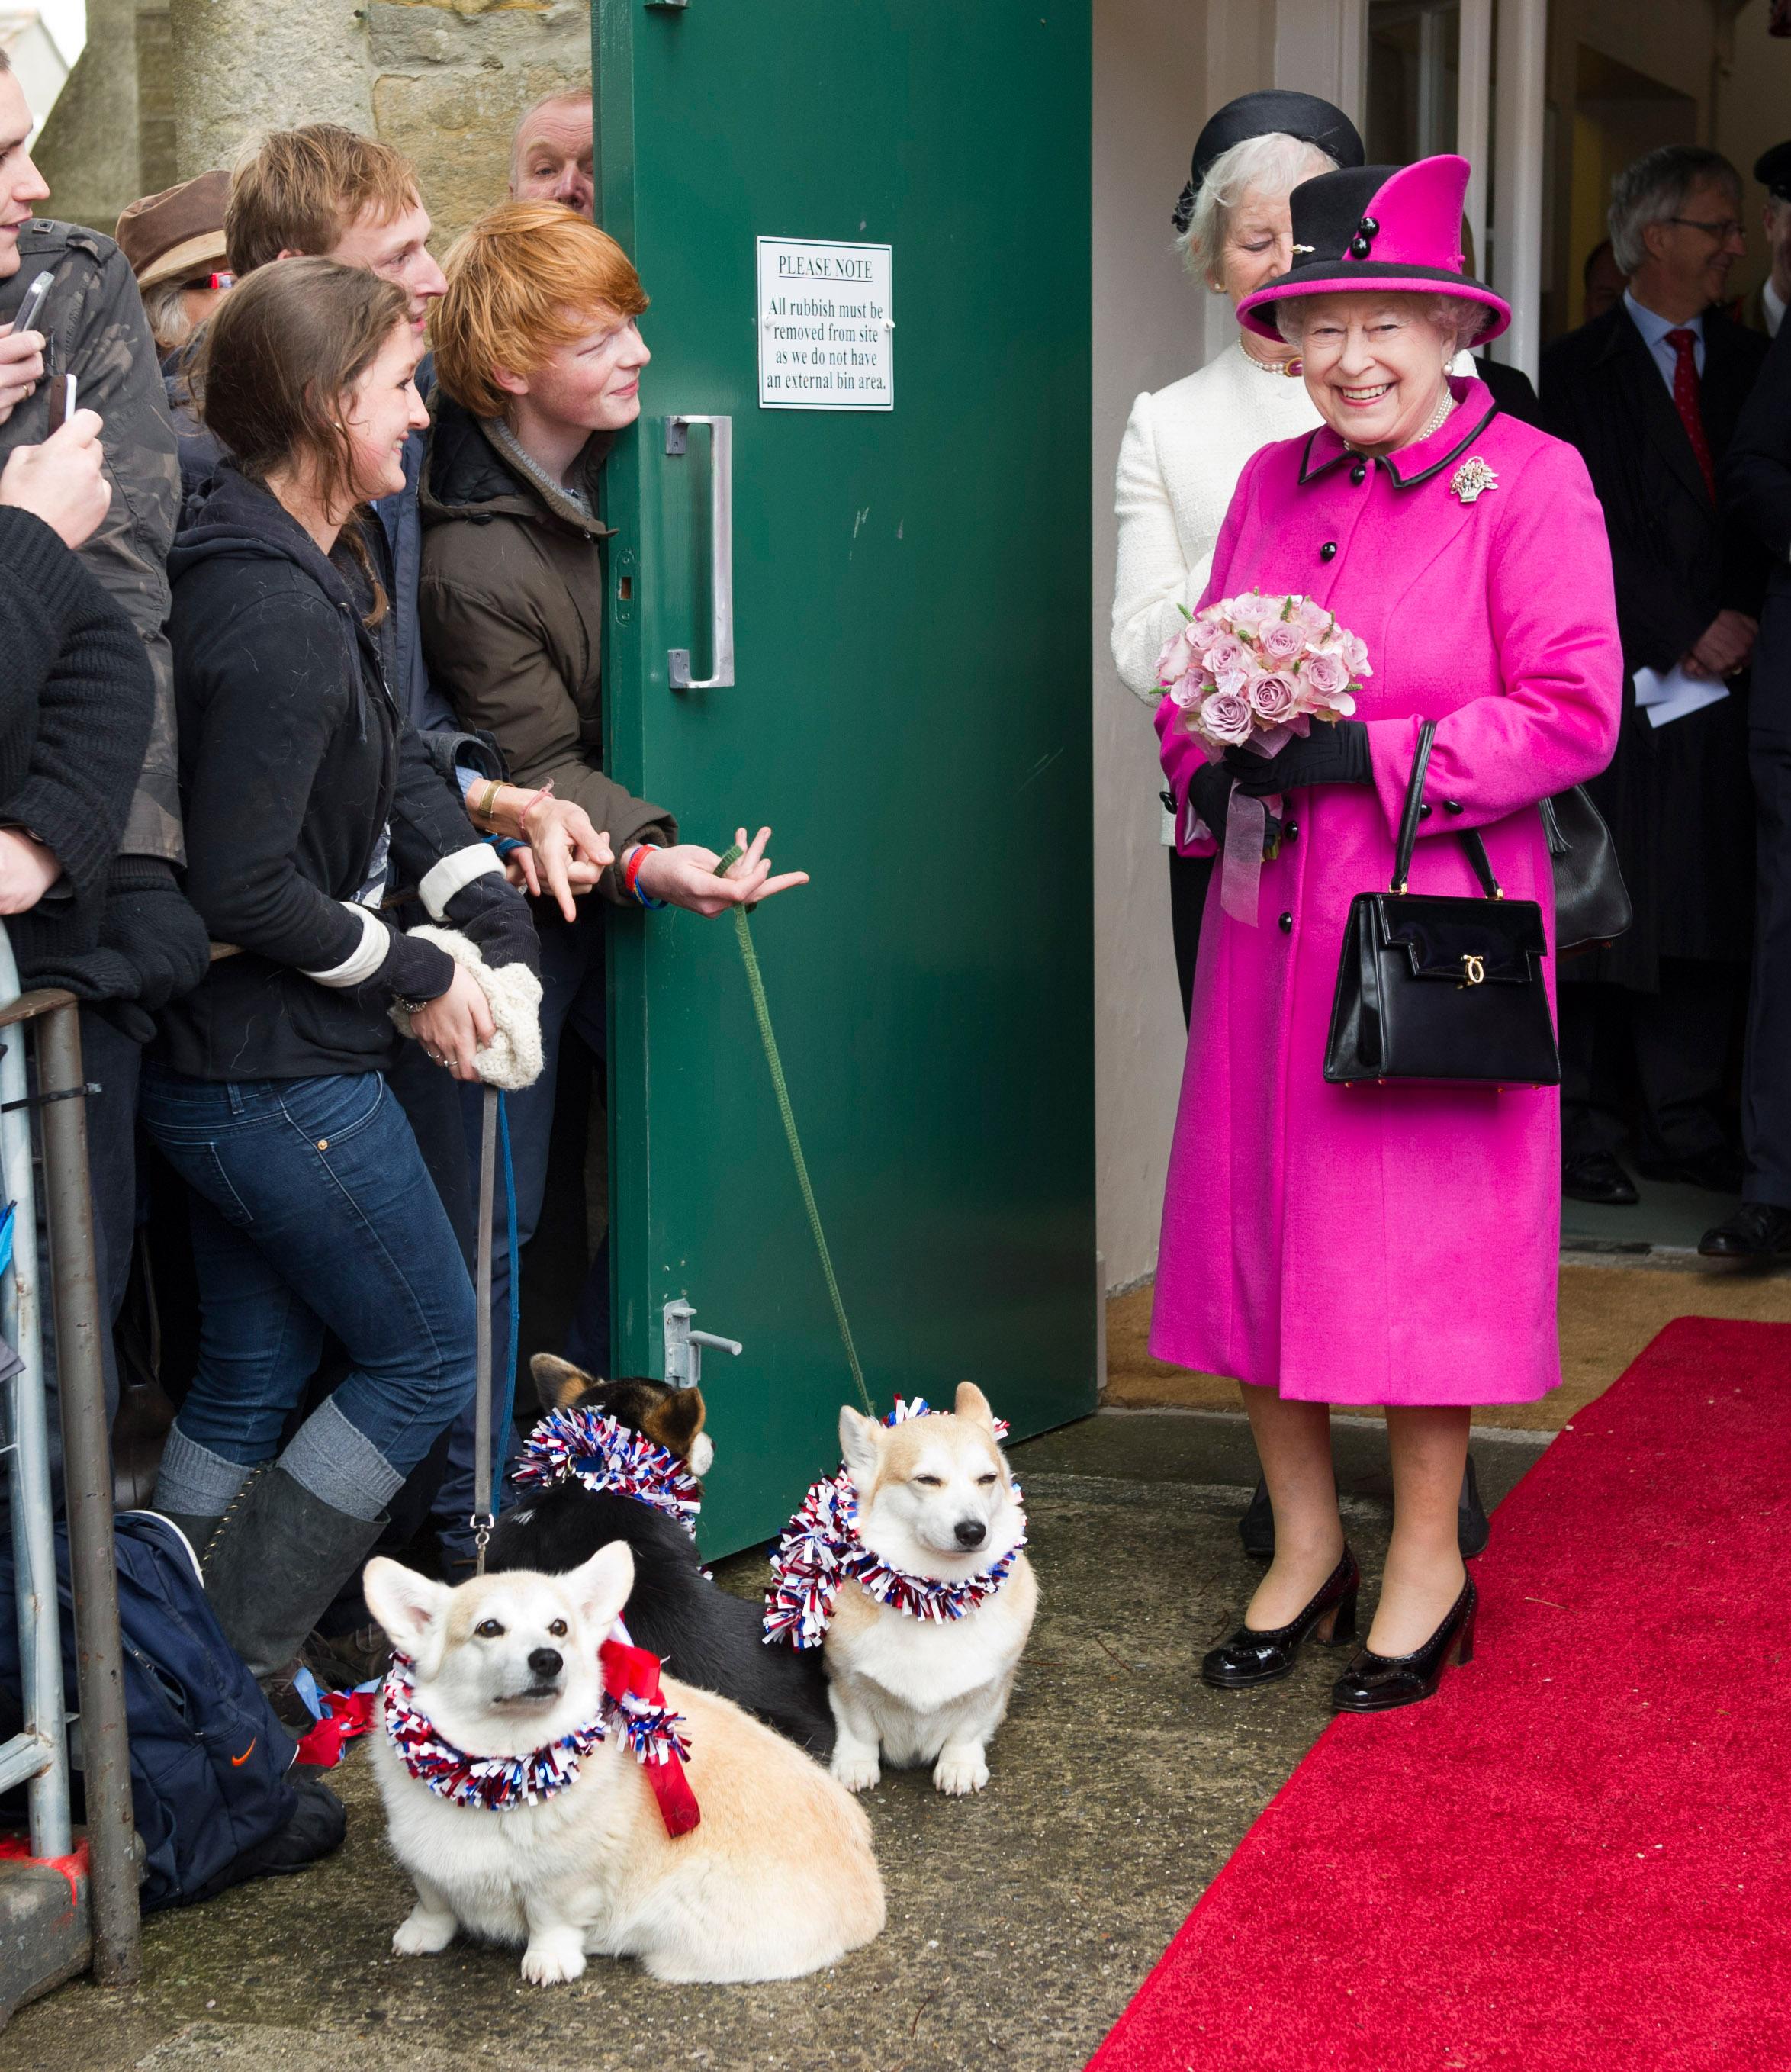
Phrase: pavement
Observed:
(1020, 1921)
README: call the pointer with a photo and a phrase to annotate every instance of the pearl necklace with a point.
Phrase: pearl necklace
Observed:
(1292, 369)
(1439, 418)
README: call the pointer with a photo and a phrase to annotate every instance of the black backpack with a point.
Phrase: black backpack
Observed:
(213, 1790)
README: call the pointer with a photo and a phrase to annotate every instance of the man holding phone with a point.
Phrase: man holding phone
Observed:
(88, 323)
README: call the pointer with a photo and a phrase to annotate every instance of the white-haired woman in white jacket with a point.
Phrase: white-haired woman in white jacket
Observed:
(1185, 446)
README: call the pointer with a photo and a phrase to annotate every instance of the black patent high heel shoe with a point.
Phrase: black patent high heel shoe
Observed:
(1253, 1655)
(1382, 1683)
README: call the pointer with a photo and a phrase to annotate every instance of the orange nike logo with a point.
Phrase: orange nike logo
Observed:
(236, 1761)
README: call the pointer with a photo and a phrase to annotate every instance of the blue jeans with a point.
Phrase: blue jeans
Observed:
(573, 994)
(311, 1210)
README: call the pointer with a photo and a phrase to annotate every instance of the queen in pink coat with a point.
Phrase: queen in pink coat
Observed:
(1390, 1245)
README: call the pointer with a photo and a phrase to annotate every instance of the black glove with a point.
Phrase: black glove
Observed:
(491, 913)
(1209, 793)
(1335, 753)
(153, 948)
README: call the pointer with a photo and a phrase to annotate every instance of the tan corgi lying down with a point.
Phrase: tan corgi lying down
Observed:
(777, 1880)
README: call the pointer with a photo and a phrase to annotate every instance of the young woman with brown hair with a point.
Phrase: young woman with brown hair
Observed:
(307, 797)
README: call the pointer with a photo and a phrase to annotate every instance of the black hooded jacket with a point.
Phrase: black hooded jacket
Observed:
(294, 758)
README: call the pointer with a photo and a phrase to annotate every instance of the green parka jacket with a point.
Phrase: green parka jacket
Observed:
(512, 610)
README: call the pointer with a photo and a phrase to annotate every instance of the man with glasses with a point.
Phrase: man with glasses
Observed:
(1650, 392)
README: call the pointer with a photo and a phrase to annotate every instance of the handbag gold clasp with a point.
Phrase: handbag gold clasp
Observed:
(1475, 968)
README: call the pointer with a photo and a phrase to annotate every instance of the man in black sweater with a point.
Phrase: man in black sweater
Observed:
(77, 693)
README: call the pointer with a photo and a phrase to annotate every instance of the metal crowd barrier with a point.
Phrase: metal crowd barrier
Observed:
(44, 1936)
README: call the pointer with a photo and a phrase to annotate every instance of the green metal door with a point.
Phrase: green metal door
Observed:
(909, 707)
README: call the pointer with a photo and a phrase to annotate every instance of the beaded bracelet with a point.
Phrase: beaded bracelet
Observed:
(631, 872)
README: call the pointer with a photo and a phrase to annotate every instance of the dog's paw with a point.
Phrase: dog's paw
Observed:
(857, 1772)
(423, 1934)
(961, 1771)
(551, 1961)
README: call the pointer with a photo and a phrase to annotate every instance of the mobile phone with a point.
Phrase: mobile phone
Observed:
(62, 400)
(32, 307)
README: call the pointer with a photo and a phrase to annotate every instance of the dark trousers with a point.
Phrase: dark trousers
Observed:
(1190, 877)
(1676, 1043)
(1766, 1081)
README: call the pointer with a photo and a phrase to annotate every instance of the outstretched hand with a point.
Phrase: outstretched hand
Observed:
(686, 875)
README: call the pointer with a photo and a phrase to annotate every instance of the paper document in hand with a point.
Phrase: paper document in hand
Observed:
(1672, 697)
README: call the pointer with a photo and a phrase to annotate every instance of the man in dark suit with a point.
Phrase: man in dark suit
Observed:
(1757, 487)
(1650, 392)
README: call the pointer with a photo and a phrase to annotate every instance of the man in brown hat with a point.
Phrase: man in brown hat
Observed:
(174, 243)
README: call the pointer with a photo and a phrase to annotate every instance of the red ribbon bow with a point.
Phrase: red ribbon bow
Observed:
(630, 1672)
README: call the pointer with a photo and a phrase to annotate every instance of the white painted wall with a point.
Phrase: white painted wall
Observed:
(1160, 67)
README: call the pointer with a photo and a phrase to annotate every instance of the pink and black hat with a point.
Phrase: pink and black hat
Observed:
(1394, 228)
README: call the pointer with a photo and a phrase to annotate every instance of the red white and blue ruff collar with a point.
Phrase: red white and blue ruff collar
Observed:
(819, 1548)
(605, 1455)
(633, 1703)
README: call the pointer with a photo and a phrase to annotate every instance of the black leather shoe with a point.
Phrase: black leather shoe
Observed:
(1595, 1176)
(1472, 1528)
(1252, 1656)
(1718, 1172)
(1383, 1683)
(1757, 1229)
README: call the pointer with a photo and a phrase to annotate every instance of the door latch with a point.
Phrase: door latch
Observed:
(683, 1347)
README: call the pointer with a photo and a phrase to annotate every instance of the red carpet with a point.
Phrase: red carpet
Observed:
(1575, 1855)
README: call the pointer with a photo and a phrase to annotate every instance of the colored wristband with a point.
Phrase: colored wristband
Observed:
(529, 806)
(630, 873)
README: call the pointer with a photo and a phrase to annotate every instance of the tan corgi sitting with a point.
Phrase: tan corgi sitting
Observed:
(936, 1505)
(496, 1694)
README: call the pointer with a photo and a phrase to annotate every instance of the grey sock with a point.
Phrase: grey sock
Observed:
(195, 1481)
(340, 1465)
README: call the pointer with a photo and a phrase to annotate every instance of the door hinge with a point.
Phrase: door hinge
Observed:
(683, 1347)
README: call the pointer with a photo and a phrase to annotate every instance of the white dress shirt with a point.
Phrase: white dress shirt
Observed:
(1654, 330)
(1771, 304)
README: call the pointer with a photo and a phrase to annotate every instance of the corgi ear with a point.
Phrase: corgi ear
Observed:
(558, 1382)
(411, 1608)
(600, 1588)
(972, 1406)
(674, 1423)
(861, 1446)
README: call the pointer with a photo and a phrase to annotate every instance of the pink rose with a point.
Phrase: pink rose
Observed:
(1282, 641)
(1355, 654)
(1178, 652)
(1312, 619)
(1271, 697)
(1189, 688)
(1226, 718)
(1324, 674)
(1223, 653)
(1250, 611)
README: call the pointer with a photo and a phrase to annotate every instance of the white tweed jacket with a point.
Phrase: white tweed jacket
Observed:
(1184, 449)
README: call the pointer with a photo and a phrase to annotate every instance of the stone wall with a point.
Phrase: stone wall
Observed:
(166, 89)
(444, 80)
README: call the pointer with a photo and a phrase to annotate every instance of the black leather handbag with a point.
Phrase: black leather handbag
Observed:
(1591, 902)
(1441, 991)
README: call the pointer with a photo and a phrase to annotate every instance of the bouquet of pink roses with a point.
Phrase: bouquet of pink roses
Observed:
(1255, 668)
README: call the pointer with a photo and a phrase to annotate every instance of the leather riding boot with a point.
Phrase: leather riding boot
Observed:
(200, 1531)
(276, 1562)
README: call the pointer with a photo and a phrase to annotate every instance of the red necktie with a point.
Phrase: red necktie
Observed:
(1685, 401)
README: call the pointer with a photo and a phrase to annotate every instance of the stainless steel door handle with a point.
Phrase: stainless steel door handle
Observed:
(720, 554)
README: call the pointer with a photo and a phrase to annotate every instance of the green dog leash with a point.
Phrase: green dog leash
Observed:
(755, 982)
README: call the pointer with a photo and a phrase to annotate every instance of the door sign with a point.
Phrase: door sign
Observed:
(826, 325)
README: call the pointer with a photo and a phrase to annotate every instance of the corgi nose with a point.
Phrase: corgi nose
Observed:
(971, 1531)
(546, 1662)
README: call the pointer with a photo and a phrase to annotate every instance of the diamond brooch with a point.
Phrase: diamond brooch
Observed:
(1473, 479)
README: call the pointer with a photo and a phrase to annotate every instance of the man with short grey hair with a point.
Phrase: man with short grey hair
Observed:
(1650, 393)
(552, 155)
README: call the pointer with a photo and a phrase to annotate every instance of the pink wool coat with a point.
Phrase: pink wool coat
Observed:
(1392, 1245)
